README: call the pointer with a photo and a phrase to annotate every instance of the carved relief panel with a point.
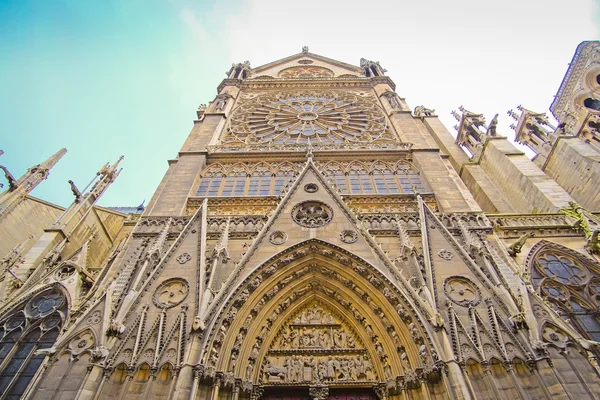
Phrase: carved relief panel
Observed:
(316, 346)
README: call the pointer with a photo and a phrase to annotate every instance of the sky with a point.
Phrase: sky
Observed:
(124, 77)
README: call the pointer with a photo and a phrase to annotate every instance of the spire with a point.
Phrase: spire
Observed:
(19, 188)
(108, 173)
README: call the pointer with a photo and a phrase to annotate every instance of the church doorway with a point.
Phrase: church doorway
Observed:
(303, 393)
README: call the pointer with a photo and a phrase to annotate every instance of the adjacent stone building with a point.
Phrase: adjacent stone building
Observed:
(317, 238)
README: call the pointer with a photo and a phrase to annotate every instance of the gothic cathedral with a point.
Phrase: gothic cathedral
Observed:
(318, 239)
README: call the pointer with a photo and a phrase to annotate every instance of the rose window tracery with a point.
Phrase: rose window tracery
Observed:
(312, 214)
(306, 118)
(171, 292)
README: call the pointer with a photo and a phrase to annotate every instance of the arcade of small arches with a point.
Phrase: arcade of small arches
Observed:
(355, 177)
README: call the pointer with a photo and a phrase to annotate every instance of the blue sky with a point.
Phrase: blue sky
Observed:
(105, 78)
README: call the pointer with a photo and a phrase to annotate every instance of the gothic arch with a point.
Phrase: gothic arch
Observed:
(570, 282)
(393, 332)
(27, 333)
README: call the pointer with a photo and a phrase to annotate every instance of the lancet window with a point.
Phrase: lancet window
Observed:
(573, 287)
(373, 177)
(22, 334)
(241, 179)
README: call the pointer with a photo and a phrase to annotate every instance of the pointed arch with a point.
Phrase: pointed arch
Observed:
(240, 336)
(571, 283)
(33, 327)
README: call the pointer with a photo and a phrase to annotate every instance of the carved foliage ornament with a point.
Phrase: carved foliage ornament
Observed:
(171, 293)
(312, 214)
(316, 118)
(462, 291)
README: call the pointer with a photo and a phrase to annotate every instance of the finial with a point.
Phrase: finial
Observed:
(304, 49)
(513, 115)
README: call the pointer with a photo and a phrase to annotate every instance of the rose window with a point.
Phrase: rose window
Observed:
(306, 118)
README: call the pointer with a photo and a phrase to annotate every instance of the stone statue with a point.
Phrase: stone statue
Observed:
(75, 191)
(491, 129)
(422, 112)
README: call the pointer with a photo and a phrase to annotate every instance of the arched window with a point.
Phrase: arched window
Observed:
(32, 328)
(260, 179)
(572, 286)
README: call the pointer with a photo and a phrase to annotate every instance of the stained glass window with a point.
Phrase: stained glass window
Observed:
(260, 179)
(25, 332)
(373, 177)
(572, 288)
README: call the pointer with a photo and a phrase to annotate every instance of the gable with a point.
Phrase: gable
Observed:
(306, 65)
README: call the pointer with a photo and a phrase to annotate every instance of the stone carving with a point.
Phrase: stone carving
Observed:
(348, 236)
(422, 112)
(93, 318)
(305, 62)
(312, 214)
(334, 118)
(315, 347)
(221, 102)
(516, 247)
(311, 188)
(462, 291)
(554, 335)
(115, 328)
(81, 342)
(171, 292)
(278, 237)
(445, 254)
(303, 72)
(183, 258)
(65, 272)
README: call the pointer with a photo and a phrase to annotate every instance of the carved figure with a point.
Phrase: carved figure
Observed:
(422, 112)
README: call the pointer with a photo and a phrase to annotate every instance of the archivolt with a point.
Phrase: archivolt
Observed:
(385, 321)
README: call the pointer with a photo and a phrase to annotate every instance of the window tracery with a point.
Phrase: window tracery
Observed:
(241, 179)
(373, 177)
(571, 287)
(34, 327)
(315, 118)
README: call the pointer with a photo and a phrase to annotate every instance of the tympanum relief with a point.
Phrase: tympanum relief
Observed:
(316, 346)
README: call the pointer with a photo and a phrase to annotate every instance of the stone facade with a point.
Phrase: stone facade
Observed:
(316, 238)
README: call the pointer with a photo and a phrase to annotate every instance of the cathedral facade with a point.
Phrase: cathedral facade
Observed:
(317, 238)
